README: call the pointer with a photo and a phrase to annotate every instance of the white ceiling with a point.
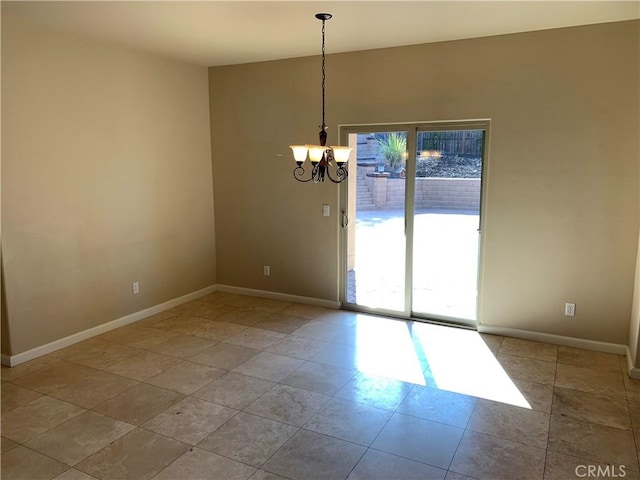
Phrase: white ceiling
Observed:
(212, 33)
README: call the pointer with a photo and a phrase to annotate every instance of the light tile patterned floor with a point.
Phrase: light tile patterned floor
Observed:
(237, 387)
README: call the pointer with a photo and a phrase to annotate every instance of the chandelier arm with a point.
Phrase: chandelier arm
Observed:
(298, 173)
(341, 175)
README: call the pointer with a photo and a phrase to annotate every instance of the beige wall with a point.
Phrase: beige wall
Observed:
(106, 175)
(106, 180)
(634, 327)
(562, 206)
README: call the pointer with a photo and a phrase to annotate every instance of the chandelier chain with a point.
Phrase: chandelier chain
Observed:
(323, 74)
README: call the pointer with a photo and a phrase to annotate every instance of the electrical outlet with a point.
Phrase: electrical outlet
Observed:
(570, 309)
(326, 210)
(136, 288)
(267, 270)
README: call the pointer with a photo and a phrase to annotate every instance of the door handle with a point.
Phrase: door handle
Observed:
(345, 219)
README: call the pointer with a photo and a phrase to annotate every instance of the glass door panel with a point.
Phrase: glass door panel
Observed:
(446, 222)
(376, 257)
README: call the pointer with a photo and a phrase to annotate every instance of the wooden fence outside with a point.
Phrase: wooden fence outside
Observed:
(454, 142)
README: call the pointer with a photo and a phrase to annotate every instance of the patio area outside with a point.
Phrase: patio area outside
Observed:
(445, 262)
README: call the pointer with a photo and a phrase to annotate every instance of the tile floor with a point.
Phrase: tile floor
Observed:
(236, 387)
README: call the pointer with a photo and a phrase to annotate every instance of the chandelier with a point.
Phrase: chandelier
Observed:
(321, 156)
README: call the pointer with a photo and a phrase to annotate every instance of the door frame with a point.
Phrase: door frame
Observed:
(412, 129)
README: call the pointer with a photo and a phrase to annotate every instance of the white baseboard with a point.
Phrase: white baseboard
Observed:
(6, 360)
(284, 297)
(13, 360)
(616, 348)
(633, 371)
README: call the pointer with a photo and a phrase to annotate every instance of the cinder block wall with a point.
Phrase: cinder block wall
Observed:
(448, 193)
(439, 193)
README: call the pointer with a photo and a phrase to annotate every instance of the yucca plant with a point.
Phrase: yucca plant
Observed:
(394, 149)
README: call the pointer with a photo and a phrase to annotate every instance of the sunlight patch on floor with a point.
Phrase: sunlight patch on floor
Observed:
(461, 362)
(447, 358)
(384, 348)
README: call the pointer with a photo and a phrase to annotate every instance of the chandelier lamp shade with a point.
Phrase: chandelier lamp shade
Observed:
(321, 157)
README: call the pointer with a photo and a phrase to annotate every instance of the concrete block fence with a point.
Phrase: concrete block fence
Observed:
(432, 193)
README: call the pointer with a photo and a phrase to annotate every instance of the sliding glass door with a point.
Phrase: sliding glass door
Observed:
(412, 219)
